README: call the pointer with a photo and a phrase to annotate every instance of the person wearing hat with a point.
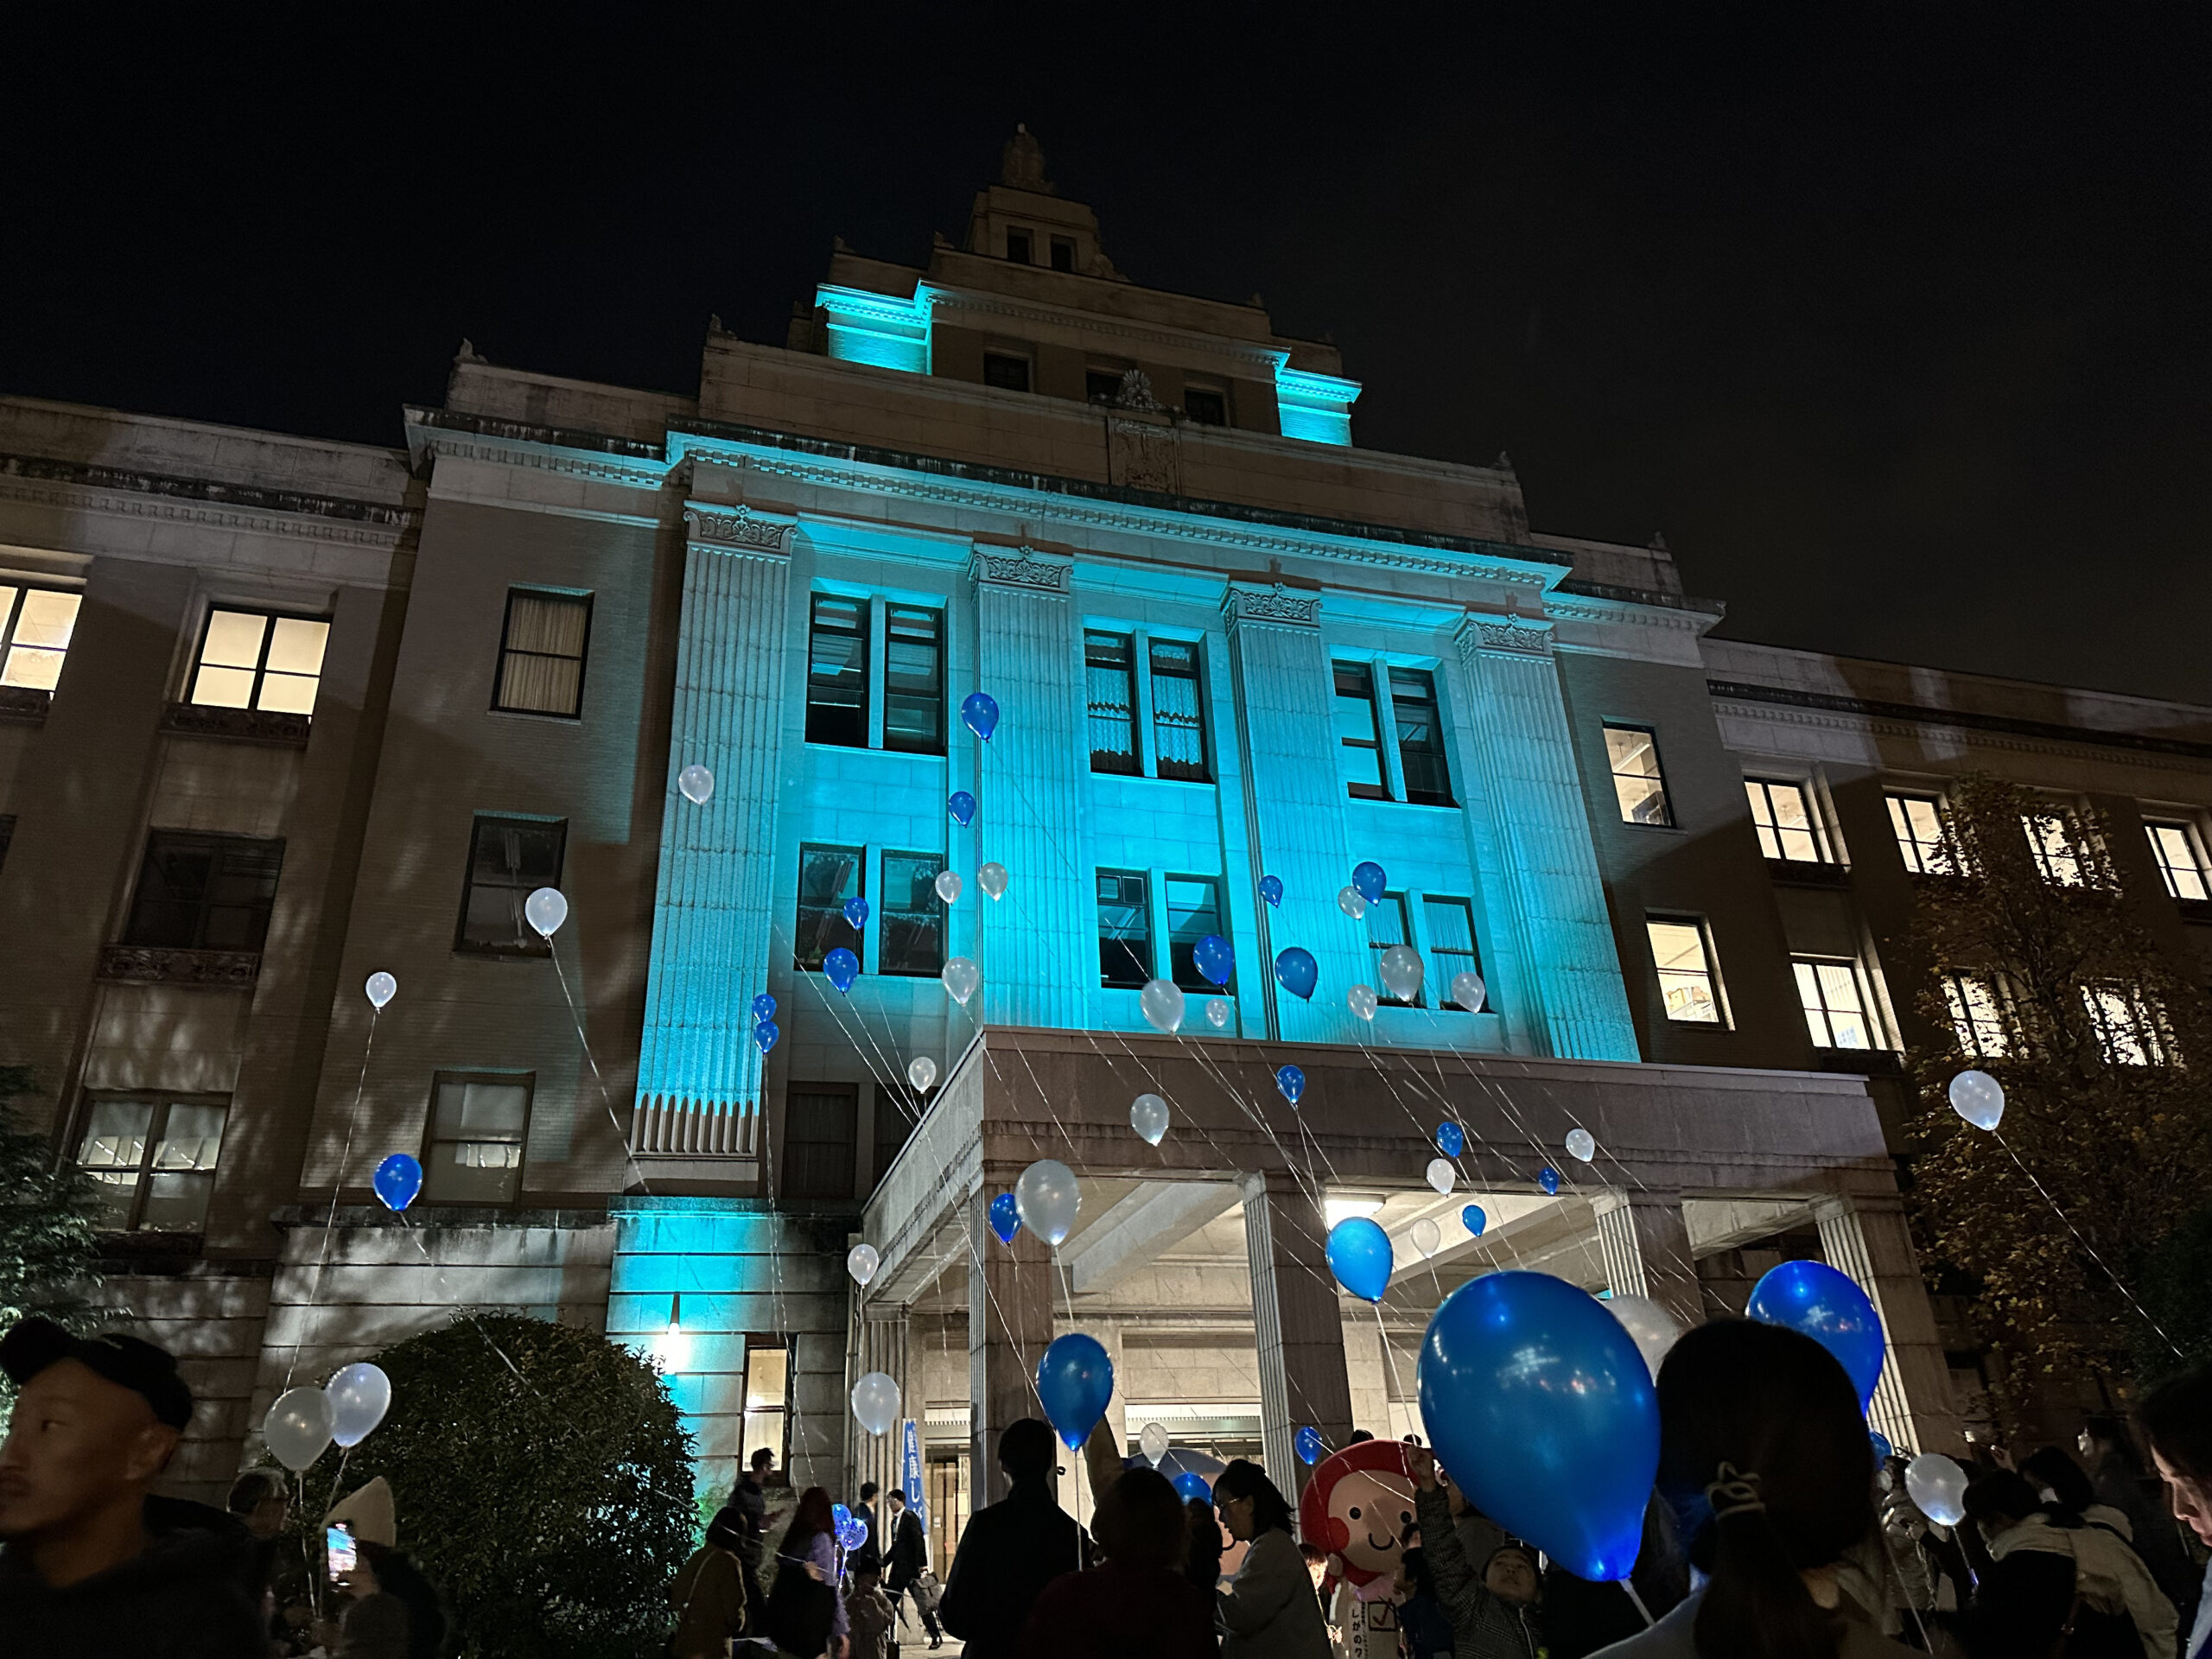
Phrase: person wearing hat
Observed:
(91, 1563)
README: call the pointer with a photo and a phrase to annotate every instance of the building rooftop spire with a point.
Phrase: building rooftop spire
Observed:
(1021, 163)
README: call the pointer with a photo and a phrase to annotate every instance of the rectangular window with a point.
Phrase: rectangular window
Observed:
(828, 876)
(1006, 371)
(1835, 1003)
(2128, 1028)
(35, 625)
(204, 892)
(1918, 820)
(2051, 838)
(1388, 925)
(1062, 253)
(1421, 736)
(911, 940)
(541, 652)
(153, 1162)
(1783, 813)
(1683, 957)
(1193, 911)
(836, 671)
(1124, 929)
(1109, 690)
(1205, 405)
(821, 1132)
(1017, 246)
(1977, 1016)
(478, 1124)
(913, 679)
(1178, 728)
(1101, 385)
(1450, 946)
(509, 859)
(258, 660)
(2180, 862)
(1359, 753)
(1639, 786)
(767, 1398)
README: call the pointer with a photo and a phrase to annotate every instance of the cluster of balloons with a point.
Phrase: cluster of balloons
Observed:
(696, 783)
(875, 1402)
(1148, 1117)
(961, 978)
(1359, 1255)
(305, 1421)
(764, 1022)
(1075, 1379)
(861, 1262)
(1047, 1197)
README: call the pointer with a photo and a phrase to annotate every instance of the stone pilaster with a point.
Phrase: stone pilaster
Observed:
(1298, 1324)
(1645, 1241)
(1866, 1238)
(882, 1342)
(1010, 1327)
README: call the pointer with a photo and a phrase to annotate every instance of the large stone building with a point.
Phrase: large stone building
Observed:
(277, 714)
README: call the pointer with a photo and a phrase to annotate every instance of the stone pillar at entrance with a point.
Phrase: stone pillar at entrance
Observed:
(1010, 1327)
(1646, 1243)
(1866, 1238)
(1298, 1323)
(883, 1345)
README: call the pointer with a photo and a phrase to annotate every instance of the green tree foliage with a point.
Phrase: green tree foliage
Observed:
(49, 1226)
(2176, 1287)
(551, 1501)
(2103, 1049)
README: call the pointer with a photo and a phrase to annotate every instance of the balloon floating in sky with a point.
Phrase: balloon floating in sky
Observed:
(1271, 889)
(1006, 1217)
(1427, 1235)
(1075, 1380)
(1938, 1487)
(1290, 1082)
(1148, 1117)
(1213, 957)
(1439, 1175)
(1451, 1138)
(397, 1180)
(1653, 1329)
(1363, 1002)
(1979, 1098)
(961, 805)
(1814, 1300)
(947, 885)
(765, 1034)
(991, 879)
(856, 913)
(1468, 991)
(1474, 1219)
(961, 978)
(1047, 1197)
(921, 1071)
(1581, 1144)
(1312, 1448)
(1547, 1178)
(1351, 903)
(359, 1396)
(1162, 1003)
(875, 1403)
(763, 1007)
(1297, 972)
(1359, 1255)
(861, 1262)
(1401, 972)
(979, 713)
(545, 910)
(1217, 1012)
(696, 784)
(380, 989)
(1154, 1443)
(1368, 881)
(842, 968)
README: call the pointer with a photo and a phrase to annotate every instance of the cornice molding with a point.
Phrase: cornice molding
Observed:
(1278, 605)
(1260, 359)
(1506, 636)
(171, 510)
(1858, 725)
(599, 468)
(738, 528)
(1625, 612)
(1025, 568)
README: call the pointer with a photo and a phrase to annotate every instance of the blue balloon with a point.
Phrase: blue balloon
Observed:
(1075, 1379)
(1547, 1178)
(1213, 957)
(1359, 1255)
(1271, 889)
(853, 1535)
(1814, 1300)
(1290, 1082)
(1474, 1219)
(763, 1007)
(842, 1515)
(765, 1034)
(1190, 1484)
(1880, 1442)
(962, 805)
(1297, 971)
(979, 712)
(1312, 1448)
(1006, 1217)
(842, 967)
(1539, 1406)
(856, 913)
(1368, 881)
(1451, 1139)
(397, 1180)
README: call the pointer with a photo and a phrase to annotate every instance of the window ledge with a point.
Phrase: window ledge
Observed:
(22, 705)
(1862, 1062)
(517, 952)
(151, 1254)
(155, 964)
(261, 726)
(2194, 910)
(1806, 873)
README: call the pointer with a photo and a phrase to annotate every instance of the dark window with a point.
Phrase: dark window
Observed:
(1109, 687)
(827, 877)
(541, 652)
(509, 859)
(1205, 406)
(821, 1134)
(1386, 925)
(1421, 736)
(1017, 246)
(913, 679)
(479, 1121)
(1063, 254)
(1006, 371)
(836, 672)
(204, 893)
(1451, 947)
(152, 1160)
(1101, 385)
(1124, 929)
(896, 1115)
(1193, 911)
(912, 936)
(256, 659)
(1178, 728)
(1359, 754)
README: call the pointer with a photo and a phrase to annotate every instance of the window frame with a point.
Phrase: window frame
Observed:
(1441, 956)
(857, 940)
(1759, 791)
(1055, 246)
(883, 911)
(1142, 905)
(145, 1170)
(272, 615)
(528, 1080)
(1020, 360)
(937, 612)
(528, 946)
(1027, 239)
(1364, 668)
(766, 1341)
(1218, 396)
(1802, 966)
(1918, 857)
(1965, 1024)
(21, 588)
(1436, 748)
(1657, 776)
(2146, 1031)
(2192, 846)
(219, 844)
(1401, 900)
(865, 711)
(2070, 864)
(850, 1093)
(582, 659)
(1708, 954)
(1103, 639)
(1182, 971)
(1156, 765)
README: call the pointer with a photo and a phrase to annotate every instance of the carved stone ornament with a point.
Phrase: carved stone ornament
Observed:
(739, 526)
(1023, 567)
(1136, 393)
(1276, 604)
(161, 965)
(1510, 634)
(1142, 454)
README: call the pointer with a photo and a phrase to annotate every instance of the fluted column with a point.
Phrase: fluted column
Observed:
(1645, 1241)
(699, 1072)
(1009, 1328)
(1868, 1240)
(1297, 1323)
(1555, 900)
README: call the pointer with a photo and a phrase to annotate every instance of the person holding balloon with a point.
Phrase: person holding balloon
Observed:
(1268, 1607)
(1492, 1607)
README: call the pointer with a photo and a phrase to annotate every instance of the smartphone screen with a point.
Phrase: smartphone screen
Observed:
(338, 1550)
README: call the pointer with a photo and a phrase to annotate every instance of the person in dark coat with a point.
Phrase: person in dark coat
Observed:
(1011, 1550)
(1138, 1602)
(908, 1558)
(1202, 1555)
(2120, 1479)
(749, 1498)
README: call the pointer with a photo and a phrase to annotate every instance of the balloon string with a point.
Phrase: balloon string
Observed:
(1629, 1585)
(576, 1015)
(330, 1222)
(1390, 1362)
(2118, 1283)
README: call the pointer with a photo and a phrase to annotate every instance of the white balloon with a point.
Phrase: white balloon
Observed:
(1148, 1117)
(696, 784)
(1216, 1012)
(1046, 1198)
(1938, 1486)
(921, 1071)
(1468, 991)
(947, 885)
(1349, 902)
(991, 879)
(1162, 1002)
(875, 1402)
(1401, 970)
(545, 910)
(1442, 1175)
(1363, 1002)
(1427, 1235)
(861, 1262)
(1580, 1143)
(961, 978)
(1153, 1442)
(1654, 1329)
(380, 989)
(297, 1427)
(1979, 1098)
(359, 1396)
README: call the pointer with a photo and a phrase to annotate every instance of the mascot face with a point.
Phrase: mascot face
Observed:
(1359, 1505)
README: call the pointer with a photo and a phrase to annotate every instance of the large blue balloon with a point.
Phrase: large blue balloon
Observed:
(1075, 1380)
(962, 805)
(1312, 1448)
(1213, 957)
(763, 1007)
(1813, 1298)
(1359, 1255)
(1368, 881)
(765, 1034)
(1271, 889)
(397, 1180)
(1298, 972)
(1290, 1082)
(1006, 1217)
(980, 713)
(1539, 1404)
(842, 967)
(856, 913)
(1451, 1138)
(1190, 1484)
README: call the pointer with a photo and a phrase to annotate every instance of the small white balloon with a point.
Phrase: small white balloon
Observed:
(947, 885)
(1363, 1002)
(1152, 1439)
(1468, 991)
(1349, 902)
(1938, 1486)
(297, 1427)
(545, 910)
(1652, 1327)
(991, 879)
(875, 1402)
(1401, 972)
(1162, 1002)
(861, 1262)
(696, 784)
(1442, 1175)
(1581, 1144)
(1046, 1198)
(921, 1071)
(359, 1395)
(961, 978)
(1148, 1117)
(380, 989)
(1217, 1012)
(1427, 1235)
(1979, 1098)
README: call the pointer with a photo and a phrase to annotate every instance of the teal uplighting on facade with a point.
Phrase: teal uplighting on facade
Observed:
(1314, 407)
(879, 329)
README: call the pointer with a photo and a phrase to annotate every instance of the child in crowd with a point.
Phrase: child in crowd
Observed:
(868, 1612)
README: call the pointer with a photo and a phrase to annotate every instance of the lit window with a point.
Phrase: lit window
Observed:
(204, 892)
(1783, 813)
(1918, 820)
(1109, 690)
(767, 1385)
(152, 1162)
(836, 671)
(1359, 750)
(35, 623)
(256, 659)
(2180, 864)
(1684, 961)
(1006, 371)
(1632, 752)
(1205, 406)
(1835, 1004)
(1178, 728)
(1977, 1016)
(1388, 925)
(911, 939)
(2051, 838)
(1450, 946)
(1193, 911)
(541, 652)
(828, 876)
(1124, 929)
(509, 859)
(2127, 1029)
(1421, 736)
(913, 679)
(478, 1124)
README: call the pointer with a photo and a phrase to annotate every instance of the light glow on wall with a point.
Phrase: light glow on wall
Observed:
(880, 329)
(1316, 408)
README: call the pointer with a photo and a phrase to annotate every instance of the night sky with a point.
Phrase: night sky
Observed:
(1897, 322)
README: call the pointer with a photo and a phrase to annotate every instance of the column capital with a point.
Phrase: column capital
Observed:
(738, 528)
(1276, 602)
(1505, 635)
(1023, 567)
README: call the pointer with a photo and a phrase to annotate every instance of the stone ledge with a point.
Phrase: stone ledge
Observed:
(262, 725)
(153, 964)
(22, 705)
